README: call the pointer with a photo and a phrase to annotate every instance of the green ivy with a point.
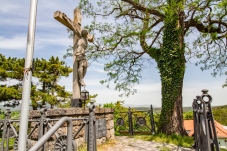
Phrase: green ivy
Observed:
(171, 64)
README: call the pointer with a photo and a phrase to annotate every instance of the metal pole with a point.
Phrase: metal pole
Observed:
(152, 120)
(130, 121)
(90, 146)
(27, 77)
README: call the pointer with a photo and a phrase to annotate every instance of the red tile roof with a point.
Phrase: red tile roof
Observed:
(189, 127)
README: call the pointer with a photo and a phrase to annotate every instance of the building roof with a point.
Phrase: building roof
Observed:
(221, 131)
(189, 127)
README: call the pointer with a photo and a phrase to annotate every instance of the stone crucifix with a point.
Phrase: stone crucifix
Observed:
(80, 42)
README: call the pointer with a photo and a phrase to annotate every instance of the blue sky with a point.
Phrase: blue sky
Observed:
(52, 39)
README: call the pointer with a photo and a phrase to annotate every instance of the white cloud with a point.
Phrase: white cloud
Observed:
(148, 86)
(96, 69)
(9, 7)
(53, 40)
(16, 43)
(193, 88)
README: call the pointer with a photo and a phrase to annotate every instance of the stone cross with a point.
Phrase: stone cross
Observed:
(80, 39)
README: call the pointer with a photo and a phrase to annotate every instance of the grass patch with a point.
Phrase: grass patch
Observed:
(163, 148)
(183, 141)
(11, 142)
(102, 147)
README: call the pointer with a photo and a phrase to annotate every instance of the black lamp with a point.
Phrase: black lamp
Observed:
(84, 95)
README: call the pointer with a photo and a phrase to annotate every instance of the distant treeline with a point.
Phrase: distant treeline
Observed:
(219, 113)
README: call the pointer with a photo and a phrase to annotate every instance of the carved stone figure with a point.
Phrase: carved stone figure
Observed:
(80, 56)
(80, 43)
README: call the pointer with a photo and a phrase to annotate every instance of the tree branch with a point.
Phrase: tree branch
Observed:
(144, 9)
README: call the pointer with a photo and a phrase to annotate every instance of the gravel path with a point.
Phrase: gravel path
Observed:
(124, 143)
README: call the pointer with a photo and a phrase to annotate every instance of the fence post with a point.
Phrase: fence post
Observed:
(6, 129)
(91, 146)
(195, 107)
(211, 137)
(130, 121)
(152, 120)
(41, 125)
(204, 126)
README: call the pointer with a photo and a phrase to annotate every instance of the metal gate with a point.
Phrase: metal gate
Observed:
(135, 122)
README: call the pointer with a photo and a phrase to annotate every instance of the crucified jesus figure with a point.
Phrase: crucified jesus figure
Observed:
(80, 56)
(80, 43)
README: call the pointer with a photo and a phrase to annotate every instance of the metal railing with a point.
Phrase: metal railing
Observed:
(204, 127)
(62, 142)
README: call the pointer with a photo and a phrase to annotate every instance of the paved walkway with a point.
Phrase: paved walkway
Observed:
(125, 143)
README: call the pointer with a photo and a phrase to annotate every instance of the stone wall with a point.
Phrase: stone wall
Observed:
(100, 113)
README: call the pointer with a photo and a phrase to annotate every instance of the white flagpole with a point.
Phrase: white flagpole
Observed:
(27, 78)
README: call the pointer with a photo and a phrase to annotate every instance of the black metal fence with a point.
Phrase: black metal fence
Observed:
(44, 125)
(135, 122)
(204, 127)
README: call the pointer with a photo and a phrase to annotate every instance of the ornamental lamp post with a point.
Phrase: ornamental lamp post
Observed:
(84, 96)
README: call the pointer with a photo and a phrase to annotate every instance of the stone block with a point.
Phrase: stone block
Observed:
(109, 117)
(110, 134)
(109, 124)
(101, 141)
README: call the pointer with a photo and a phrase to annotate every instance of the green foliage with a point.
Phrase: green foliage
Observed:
(122, 112)
(48, 73)
(188, 115)
(118, 107)
(15, 115)
(219, 113)
(66, 104)
(2, 115)
(10, 68)
(178, 140)
(10, 92)
(11, 142)
(91, 98)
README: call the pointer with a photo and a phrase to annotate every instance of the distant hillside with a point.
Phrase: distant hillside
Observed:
(220, 114)
(158, 109)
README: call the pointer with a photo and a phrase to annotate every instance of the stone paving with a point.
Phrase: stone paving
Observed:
(125, 143)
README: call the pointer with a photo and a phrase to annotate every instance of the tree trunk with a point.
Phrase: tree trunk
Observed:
(171, 64)
(34, 108)
(44, 91)
(171, 119)
(53, 90)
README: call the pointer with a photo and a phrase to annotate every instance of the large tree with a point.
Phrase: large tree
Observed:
(136, 31)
